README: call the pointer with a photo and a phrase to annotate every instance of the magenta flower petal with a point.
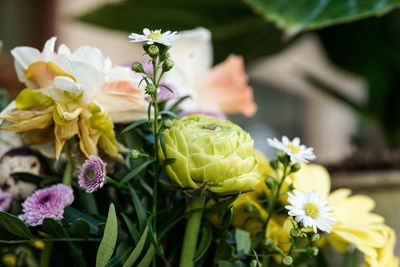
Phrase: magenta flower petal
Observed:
(5, 200)
(93, 174)
(46, 203)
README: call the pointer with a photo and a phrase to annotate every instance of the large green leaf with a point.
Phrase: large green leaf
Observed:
(138, 249)
(109, 239)
(14, 225)
(235, 27)
(296, 15)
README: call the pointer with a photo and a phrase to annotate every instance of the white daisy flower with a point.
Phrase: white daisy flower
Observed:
(297, 152)
(311, 210)
(156, 36)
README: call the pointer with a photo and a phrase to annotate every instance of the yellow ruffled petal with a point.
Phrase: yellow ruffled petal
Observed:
(64, 133)
(29, 99)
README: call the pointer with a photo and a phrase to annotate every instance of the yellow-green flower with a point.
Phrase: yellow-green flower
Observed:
(210, 151)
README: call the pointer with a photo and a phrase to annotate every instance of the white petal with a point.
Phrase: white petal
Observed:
(67, 84)
(25, 56)
(48, 49)
(90, 55)
(63, 49)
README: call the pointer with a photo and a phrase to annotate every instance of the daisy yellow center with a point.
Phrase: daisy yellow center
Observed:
(295, 149)
(155, 35)
(311, 210)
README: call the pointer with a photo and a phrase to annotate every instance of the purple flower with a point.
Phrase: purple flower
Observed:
(5, 200)
(218, 115)
(46, 203)
(93, 174)
(164, 94)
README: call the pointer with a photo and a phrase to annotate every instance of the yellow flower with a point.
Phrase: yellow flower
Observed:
(356, 224)
(212, 151)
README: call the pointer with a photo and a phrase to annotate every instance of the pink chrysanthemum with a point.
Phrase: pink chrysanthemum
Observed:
(93, 174)
(5, 200)
(46, 203)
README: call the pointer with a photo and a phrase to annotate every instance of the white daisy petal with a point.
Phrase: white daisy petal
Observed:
(297, 152)
(310, 210)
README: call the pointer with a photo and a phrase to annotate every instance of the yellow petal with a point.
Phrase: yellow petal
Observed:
(39, 122)
(62, 116)
(88, 138)
(64, 133)
(29, 99)
(109, 148)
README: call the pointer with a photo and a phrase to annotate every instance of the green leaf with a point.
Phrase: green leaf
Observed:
(131, 228)
(350, 259)
(224, 264)
(146, 186)
(168, 161)
(227, 219)
(148, 257)
(54, 228)
(109, 239)
(205, 241)
(71, 214)
(134, 125)
(162, 143)
(169, 113)
(294, 16)
(135, 172)
(138, 249)
(81, 228)
(14, 225)
(121, 254)
(221, 206)
(140, 212)
(224, 251)
(243, 241)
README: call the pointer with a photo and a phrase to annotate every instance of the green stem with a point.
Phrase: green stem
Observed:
(67, 179)
(89, 203)
(45, 255)
(192, 232)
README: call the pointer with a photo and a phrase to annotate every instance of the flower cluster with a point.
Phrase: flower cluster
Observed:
(72, 94)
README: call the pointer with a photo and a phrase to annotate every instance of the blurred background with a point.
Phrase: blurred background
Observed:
(326, 71)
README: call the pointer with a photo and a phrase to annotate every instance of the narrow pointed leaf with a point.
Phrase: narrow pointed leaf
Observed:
(138, 249)
(109, 239)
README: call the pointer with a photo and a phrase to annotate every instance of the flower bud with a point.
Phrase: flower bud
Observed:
(153, 51)
(134, 153)
(167, 65)
(295, 232)
(137, 67)
(274, 164)
(271, 183)
(269, 242)
(295, 167)
(312, 251)
(287, 260)
(253, 263)
(150, 89)
(314, 237)
(168, 123)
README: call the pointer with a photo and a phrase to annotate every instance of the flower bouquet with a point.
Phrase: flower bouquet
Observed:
(123, 169)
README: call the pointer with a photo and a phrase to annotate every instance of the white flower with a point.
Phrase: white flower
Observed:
(156, 36)
(311, 210)
(297, 152)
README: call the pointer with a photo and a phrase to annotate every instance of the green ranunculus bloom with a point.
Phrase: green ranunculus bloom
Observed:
(212, 150)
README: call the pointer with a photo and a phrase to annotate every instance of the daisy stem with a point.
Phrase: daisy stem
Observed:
(67, 179)
(192, 232)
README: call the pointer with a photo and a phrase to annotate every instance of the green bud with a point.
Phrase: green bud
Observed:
(314, 237)
(291, 187)
(253, 263)
(134, 153)
(283, 158)
(287, 260)
(269, 242)
(312, 251)
(271, 183)
(164, 55)
(151, 89)
(137, 67)
(295, 232)
(249, 208)
(168, 123)
(274, 164)
(295, 167)
(153, 51)
(167, 65)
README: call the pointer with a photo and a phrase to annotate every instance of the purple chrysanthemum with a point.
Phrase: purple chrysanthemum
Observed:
(5, 200)
(46, 203)
(93, 174)
(218, 115)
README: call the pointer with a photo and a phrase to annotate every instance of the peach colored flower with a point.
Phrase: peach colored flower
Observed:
(226, 85)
